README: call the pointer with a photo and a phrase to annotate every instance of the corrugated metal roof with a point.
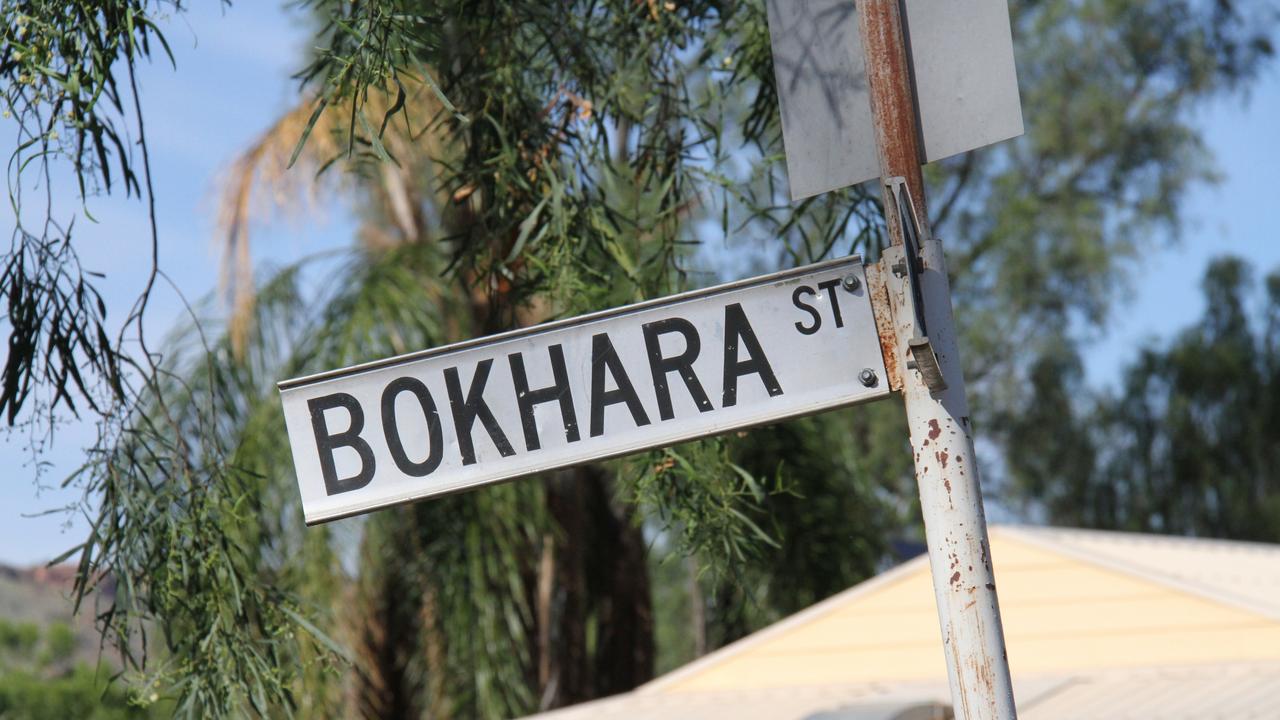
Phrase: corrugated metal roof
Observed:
(1125, 625)
(1224, 692)
(1227, 692)
(828, 702)
(1239, 573)
(1066, 607)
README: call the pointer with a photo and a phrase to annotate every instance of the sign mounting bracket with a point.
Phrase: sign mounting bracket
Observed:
(907, 269)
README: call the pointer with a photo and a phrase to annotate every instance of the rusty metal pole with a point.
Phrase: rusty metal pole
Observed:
(946, 466)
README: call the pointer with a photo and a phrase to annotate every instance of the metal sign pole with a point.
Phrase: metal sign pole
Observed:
(919, 338)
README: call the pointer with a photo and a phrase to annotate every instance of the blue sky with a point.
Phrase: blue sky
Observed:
(194, 126)
(1231, 218)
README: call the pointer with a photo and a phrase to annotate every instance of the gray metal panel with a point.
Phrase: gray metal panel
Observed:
(966, 85)
(822, 88)
(962, 61)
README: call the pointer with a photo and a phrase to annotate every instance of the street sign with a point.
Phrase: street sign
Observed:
(583, 389)
(961, 58)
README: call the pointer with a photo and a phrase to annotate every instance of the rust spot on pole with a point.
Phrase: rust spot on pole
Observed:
(882, 312)
(934, 430)
(892, 101)
(964, 710)
(982, 668)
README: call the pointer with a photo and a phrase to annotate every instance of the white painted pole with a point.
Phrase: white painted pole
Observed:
(941, 439)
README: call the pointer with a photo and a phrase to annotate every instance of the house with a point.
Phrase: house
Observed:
(1098, 625)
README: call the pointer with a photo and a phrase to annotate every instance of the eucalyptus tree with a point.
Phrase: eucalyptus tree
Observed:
(1186, 444)
(518, 161)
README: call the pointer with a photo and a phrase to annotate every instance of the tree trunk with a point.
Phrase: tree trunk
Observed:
(601, 583)
(623, 603)
(386, 685)
(697, 609)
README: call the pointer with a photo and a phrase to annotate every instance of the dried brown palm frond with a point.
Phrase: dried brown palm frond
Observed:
(261, 182)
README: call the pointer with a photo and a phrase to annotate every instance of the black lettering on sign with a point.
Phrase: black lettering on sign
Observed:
(559, 391)
(327, 442)
(830, 287)
(391, 427)
(661, 367)
(813, 312)
(604, 357)
(737, 330)
(465, 412)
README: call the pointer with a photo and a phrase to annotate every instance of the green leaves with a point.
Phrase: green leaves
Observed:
(706, 500)
(1186, 445)
(1044, 231)
(569, 157)
(368, 45)
(321, 104)
(57, 323)
(59, 63)
(196, 505)
(61, 68)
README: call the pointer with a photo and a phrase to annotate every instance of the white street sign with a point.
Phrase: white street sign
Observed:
(961, 56)
(583, 389)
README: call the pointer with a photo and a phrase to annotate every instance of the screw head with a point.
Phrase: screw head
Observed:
(868, 377)
(851, 282)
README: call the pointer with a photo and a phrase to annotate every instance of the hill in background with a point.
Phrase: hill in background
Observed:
(37, 628)
(52, 663)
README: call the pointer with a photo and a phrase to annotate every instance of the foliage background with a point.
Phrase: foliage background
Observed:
(1088, 204)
